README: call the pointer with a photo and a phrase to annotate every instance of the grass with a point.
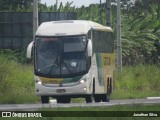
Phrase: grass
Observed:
(132, 107)
(139, 81)
(17, 84)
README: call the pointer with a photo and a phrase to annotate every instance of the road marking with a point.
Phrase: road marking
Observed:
(150, 98)
(53, 101)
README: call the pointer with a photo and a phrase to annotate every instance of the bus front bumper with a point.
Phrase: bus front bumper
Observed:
(77, 90)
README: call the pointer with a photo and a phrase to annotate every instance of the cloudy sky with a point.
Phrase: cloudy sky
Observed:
(77, 3)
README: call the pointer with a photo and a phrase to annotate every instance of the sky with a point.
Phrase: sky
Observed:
(77, 3)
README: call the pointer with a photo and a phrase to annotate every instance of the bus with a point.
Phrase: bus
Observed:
(73, 58)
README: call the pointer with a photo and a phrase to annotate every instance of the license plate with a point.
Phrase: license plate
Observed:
(61, 90)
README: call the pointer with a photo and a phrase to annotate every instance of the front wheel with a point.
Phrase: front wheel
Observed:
(97, 98)
(45, 99)
(89, 98)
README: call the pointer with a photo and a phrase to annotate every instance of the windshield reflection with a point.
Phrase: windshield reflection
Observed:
(60, 55)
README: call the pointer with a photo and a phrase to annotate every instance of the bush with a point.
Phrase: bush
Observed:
(18, 56)
(17, 80)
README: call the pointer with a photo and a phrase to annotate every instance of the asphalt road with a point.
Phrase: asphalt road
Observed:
(34, 107)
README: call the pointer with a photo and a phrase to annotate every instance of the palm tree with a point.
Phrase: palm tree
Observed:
(141, 30)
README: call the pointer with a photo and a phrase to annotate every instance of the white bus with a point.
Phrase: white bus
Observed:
(73, 58)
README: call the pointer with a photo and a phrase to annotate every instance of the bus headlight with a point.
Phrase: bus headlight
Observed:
(38, 81)
(82, 81)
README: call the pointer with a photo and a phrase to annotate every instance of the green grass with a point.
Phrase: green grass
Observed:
(137, 82)
(17, 84)
(132, 107)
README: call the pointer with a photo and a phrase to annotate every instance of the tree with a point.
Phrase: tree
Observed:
(16, 5)
(12, 5)
(141, 32)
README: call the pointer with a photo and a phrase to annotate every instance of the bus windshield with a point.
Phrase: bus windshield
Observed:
(60, 56)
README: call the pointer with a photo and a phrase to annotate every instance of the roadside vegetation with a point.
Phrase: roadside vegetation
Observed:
(17, 85)
(138, 81)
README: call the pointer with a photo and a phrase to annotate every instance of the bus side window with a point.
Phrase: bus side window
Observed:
(103, 42)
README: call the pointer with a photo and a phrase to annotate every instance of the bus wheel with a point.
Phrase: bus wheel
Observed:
(105, 98)
(97, 98)
(44, 99)
(89, 98)
(63, 100)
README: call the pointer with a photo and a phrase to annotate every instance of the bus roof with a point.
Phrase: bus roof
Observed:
(69, 27)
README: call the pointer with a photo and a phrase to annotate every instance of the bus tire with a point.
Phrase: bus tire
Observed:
(105, 97)
(97, 98)
(89, 98)
(45, 99)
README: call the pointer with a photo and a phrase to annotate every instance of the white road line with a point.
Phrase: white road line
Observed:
(53, 101)
(150, 98)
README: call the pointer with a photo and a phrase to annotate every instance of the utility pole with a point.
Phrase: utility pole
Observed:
(119, 42)
(100, 12)
(35, 17)
(108, 13)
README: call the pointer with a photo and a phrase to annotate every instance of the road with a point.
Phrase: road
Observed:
(34, 107)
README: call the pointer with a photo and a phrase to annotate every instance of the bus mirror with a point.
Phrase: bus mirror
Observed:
(89, 48)
(29, 49)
